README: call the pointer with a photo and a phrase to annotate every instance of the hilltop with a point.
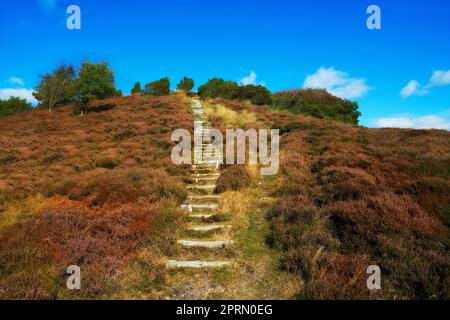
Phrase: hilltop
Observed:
(102, 188)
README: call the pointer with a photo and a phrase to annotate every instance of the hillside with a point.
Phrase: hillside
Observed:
(100, 191)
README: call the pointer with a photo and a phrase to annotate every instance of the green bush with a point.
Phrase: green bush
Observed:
(158, 88)
(186, 84)
(317, 103)
(14, 105)
(95, 81)
(218, 88)
(137, 88)
(258, 95)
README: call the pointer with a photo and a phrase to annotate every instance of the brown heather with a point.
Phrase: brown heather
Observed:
(94, 191)
(349, 197)
(100, 191)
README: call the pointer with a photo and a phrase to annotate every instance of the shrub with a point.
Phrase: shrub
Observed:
(136, 88)
(186, 84)
(158, 88)
(218, 88)
(105, 189)
(233, 178)
(317, 103)
(14, 105)
(258, 95)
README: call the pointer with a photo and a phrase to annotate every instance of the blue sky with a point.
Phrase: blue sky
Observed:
(400, 75)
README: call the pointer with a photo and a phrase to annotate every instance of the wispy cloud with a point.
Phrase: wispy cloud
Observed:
(423, 122)
(248, 80)
(48, 5)
(439, 78)
(22, 93)
(16, 81)
(412, 88)
(338, 83)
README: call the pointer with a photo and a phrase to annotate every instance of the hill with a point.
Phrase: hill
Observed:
(102, 188)
(99, 191)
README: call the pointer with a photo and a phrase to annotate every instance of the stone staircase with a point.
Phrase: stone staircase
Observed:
(207, 234)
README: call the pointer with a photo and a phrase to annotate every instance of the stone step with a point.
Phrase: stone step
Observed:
(209, 227)
(203, 197)
(191, 207)
(201, 216)
(204, 187)
(197, 264)
(205, 244)
(197, 179)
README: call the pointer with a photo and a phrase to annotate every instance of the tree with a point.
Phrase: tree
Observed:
(218, 88)
(56, 88)
(95, 81)
(137, 88)
(14, 105)
(258, 95)
(317, 103)
(158, 88)
(186, 84)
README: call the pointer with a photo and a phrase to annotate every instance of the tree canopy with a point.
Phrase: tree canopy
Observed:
(158, 88)
(95, 81)
(317, 103)
(136, 88)
(14, 105)
(218, 88)
(186, 84)
(56, 88)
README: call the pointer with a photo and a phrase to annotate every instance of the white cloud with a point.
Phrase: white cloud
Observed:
(22, 93)
(16, 81)
(337, 82)
(425, 122)
(412, 88)
(250, 79)
(439, 78)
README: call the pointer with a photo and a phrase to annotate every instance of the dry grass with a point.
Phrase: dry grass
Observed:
(98, 191)
(348, 197)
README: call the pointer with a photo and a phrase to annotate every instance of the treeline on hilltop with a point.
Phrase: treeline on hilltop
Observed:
(96, 81)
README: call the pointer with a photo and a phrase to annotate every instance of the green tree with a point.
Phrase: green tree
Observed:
(258, 95)
(186, 84)
(137, 88)
(95, 81)
(158, 88)
(56, 88)
(14, 105)
(218, 88)
(317, 103)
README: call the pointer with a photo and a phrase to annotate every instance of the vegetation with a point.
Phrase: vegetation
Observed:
(349, 197)
(317, 103)
(95, 81)
(136, 88)
(158, 88)
(103, 195)
(14, 105)
(63, 86)
(258, 95)
(218, 88)
(56, 88)
(186, 84)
